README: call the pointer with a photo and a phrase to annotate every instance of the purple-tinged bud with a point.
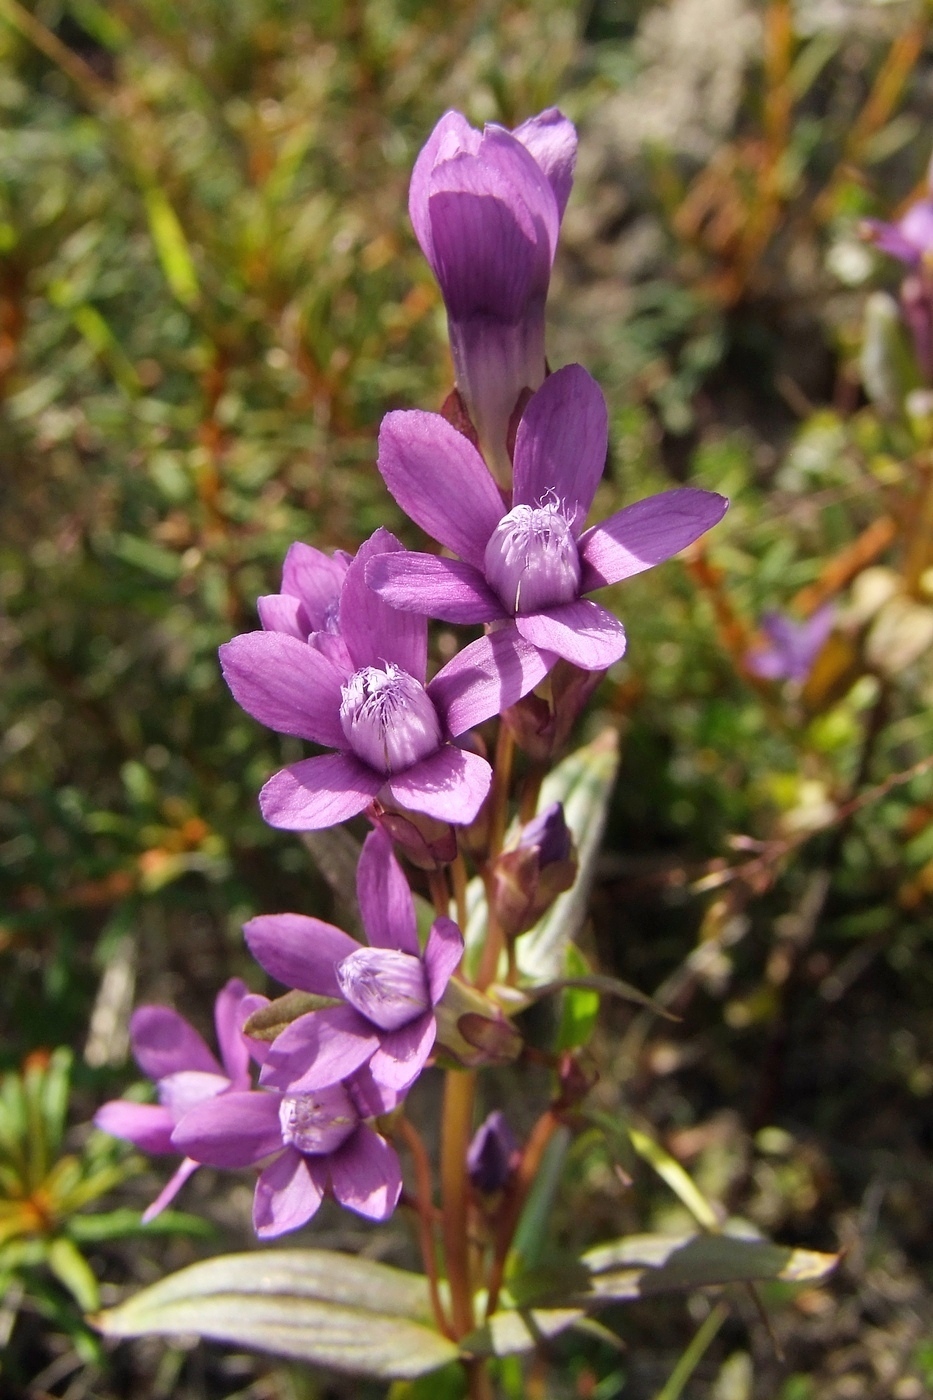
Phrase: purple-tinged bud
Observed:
(389, 718)
(387, 987)
(428, 843)
(492, 1155)
(528, 878)
(318, 1123)
(543, 720)
(532, 560)
(472, 1030)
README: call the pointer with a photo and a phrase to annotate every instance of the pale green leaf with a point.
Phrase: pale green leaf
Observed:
(640, 1266)
(677, 1179)
(71, 1268)
(171, 246)
(511, 1331)
(313, 1305)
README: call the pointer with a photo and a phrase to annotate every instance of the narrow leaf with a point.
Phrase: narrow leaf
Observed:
(313, 1305)
(677, 1179)
(641, 1266)
(171, 246)
(71, 1268)
(270, 1021)
(510, 1332)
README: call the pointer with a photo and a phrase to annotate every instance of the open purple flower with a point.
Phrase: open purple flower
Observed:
(533, 563)
(387, 991)
(389, 729)
(317, 1142)
(486, 209)
(308, 603)
(186, 1072)
(794, 645)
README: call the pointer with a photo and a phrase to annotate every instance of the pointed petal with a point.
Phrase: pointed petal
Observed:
(442, 956)
(171, 1189)
(147, 1125)
(552, 140)
(287, 1195)
(299, 951)
(646, 533)
(373, 631)
(285, 684)
(365, 1175)
(315, 579)
(318, 1050)
(439, 479)
(228, 1022)
(281, 612)
(318, 792)
(451, 135)
(582, 633)
(232, 1130)
(443, 588)
(485, 678)
(560, 447)
(450, 785)
(402, 1054)
(164, 1043)
(384, 896)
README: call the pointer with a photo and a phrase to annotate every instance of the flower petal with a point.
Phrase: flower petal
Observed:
(560, 447)
(451, 135)
(370, 1097)
(402, 1054)
(285, 684)
(440, 480)
(442, 956)
(299, 951)
(288, 1193)
(147, 1125)
(232, 1130)
(373, 631)
(581, 632)
(180, 1092)
(384, 897)
(552, 140)
(646, 533)
(315, 579)
(281, 612)
(365, 1175)
(318, 792)
(318, 1050)
(171, 1189)
(450, 785)
(164, 1043)
(443, 588)
(228, 1022)
(485, 678)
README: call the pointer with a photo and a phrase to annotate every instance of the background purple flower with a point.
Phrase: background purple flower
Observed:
(486, 209)
(170, 1051)
(317, 1141)
(534, 562)
(390, 730)
(493, 1154)
(794, 645)
(909, 238)
(388, 990)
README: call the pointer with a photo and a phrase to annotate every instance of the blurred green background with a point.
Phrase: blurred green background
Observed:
(209, 296)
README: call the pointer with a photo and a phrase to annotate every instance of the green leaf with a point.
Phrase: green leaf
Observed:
(583, 783)
(171, 247)
(512, 1331)
(270, 1021)
(71, 1268)
(310, 1304)
(677, 1179)
(600, 984)
(641, 1266)
(579, 1005)
(118, 1224)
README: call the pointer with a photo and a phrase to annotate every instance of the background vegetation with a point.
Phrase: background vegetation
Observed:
(209, 295)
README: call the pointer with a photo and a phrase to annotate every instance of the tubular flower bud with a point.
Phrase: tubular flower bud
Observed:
(388, 987)
(492, 1155)
(389, 718)
(528, 878)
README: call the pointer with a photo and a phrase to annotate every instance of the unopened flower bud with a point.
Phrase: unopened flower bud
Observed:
(542, 721)
(472, 1030)
(428, 843)
(492, 1155)
(384, 985)
(528, 878)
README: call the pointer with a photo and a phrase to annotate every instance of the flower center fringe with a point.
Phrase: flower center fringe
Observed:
(389, 718)
(532, 559)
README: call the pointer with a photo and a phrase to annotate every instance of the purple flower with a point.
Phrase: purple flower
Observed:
(308, 604)
(534, 562)
(492, 1155)
(390, 730)
(317, 1141)
(387, 991)
(486, 209)
(909, 238)
(794, 645)
(171, 1052)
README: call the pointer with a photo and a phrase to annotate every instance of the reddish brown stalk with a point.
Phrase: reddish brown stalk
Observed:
(456, 1128)
(425, 1207)
(515, 1200)
(440, 894)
